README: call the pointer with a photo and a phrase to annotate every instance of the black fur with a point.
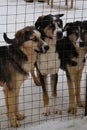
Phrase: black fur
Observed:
(10, 56)
(9, 41)
(66, 51)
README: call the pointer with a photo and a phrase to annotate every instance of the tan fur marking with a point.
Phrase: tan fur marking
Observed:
(48, 32)
(72, 38)
(46, 99)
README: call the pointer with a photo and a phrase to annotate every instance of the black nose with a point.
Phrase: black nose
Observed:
(46, 48)
(82, 44)
(59, 35)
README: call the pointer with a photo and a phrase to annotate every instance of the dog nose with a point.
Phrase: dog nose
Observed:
(46, 48)
(59, 35)
(81, 44)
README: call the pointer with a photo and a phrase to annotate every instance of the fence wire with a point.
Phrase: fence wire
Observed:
(16, 14)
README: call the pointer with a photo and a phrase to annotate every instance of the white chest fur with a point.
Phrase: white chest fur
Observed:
(49, 63)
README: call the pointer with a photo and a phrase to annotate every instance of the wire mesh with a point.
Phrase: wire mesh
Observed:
(16, 14)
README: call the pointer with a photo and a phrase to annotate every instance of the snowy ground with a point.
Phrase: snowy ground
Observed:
(80, 124)
(15, 14)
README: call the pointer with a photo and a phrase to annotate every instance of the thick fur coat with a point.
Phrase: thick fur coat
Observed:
(72, 51)
(16, 61)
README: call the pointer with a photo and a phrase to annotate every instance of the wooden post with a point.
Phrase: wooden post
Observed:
(48, 1)
(51, 3)
(66, 2)
(71, 3)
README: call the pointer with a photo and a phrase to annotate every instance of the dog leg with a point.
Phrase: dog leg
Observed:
(46, 98)
(11, 106)
(46, 111)
(72, 106)
(18, 115)
(36, 78)
(6, 101)
(77, 88)
(54, 79)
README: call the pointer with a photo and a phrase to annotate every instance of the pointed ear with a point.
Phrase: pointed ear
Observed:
(39, 22)
(59, 15)
(8, 40)
(85, 23)
(67, 26)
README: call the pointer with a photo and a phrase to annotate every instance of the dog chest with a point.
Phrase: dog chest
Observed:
(28, 65)
(79, 59)
(49, 63)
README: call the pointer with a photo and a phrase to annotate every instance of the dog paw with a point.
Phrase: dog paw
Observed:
(15, 123)
(72, 110)
(57, 111)
(80, 104)
(20, 117)
(46, 113)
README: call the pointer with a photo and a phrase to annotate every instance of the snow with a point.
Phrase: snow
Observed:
(80, 124)
(14, 15)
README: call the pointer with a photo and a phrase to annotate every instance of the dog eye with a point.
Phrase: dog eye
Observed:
(84, 31)
(35, 39)
(59, 25)
(50, 24)
(76, 31)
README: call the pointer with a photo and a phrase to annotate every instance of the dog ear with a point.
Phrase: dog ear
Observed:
(85, 27)
(24, 35)
(85, 24)
(39, 22)
(67, 26)
(8, 40)
(59, 15)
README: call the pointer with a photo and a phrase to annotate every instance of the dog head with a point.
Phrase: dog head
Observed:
(50, 26)
(77, 33)
(28, 37)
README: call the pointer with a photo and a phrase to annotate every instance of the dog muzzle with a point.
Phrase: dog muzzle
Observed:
(42, 49)
(45, 48)
(81, 44)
